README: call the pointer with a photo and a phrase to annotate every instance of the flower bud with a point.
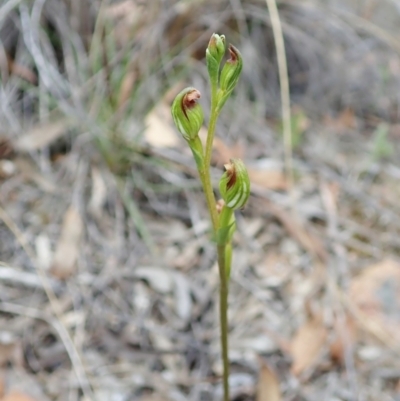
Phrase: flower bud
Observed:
(214, 54)
(235, 184)
(216, 47)
(231, 71)
(187, 113)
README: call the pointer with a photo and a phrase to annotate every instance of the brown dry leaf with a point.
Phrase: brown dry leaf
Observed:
(307, 344)
(376, 293)
(67, 250)
(40, 136)
(344, 340)
(268, 388)
(268, 179)
(224, 153)
(17, 396)
(159, 132)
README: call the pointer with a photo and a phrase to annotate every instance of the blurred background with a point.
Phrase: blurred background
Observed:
(108, 280)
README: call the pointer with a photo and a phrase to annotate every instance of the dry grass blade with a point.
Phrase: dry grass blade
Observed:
(284, 86)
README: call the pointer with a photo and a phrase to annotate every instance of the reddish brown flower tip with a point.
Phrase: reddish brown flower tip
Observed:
(234, 54)
(231, 174)
(189, 100)
(230, 74)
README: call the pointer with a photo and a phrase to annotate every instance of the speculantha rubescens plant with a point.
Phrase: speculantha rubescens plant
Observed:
(234, 185)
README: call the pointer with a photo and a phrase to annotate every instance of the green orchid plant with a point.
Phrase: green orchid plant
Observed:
(234, 185)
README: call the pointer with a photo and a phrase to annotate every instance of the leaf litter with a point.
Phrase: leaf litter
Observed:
(145, 324)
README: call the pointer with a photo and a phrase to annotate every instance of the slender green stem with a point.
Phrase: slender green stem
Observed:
(211, 127)
(205, 171)
(210, 198)
(225, 221)
(223, 269)
(223, 305)
(223, 262)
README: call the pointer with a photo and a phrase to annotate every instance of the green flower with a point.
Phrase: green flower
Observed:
(235, 184)
(230, 75)
(216, 47)
(231, 72)
(214, 54)
(187, 113)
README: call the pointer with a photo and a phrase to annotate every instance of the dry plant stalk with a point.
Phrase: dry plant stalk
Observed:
(234, 184)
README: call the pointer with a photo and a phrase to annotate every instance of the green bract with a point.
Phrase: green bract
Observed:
(187, 113)
(235, 184)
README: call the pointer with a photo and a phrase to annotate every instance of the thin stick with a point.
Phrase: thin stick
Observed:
(284, 87)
